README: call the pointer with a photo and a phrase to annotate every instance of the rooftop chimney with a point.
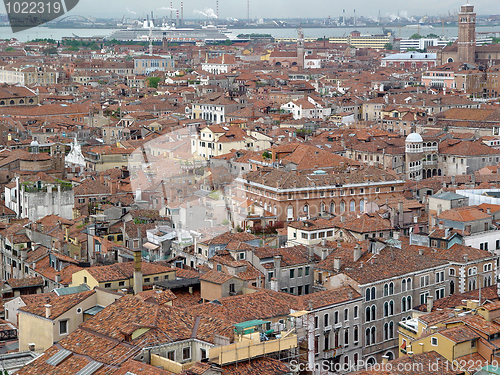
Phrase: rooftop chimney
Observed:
(357, 253)
(336, 264)
(430, 303)
(137, 272)
(31, 346)
(48, 310)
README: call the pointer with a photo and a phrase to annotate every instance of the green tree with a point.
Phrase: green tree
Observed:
(388, 46)
(153, 81)
(431, 35)
(228, 42)
(416, 36)
(267, 155)
(50, 51)
(9, 49)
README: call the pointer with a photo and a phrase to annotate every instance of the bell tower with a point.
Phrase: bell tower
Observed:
(300, 48)
(467, 34)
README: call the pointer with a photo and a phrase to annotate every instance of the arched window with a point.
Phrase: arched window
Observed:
(332, 207)
(306, 209)
(403, 304)
(2, 102)
(362, 205)
(322, 207)
(373, 334)
(367, 314)
(386, 290)
(403, 285)
(373, 292)
(367, 336)
(21, 101)
(452, 287)
(408, 284)
(386, 331)
(352, 206)
(367, 294)
(391, 288)
(389, 355)
(408, 303)
(342, 206)
(30, 101)
(391, 308)
(11, 102)
(374, 312)
(356, 334)
(386, 309)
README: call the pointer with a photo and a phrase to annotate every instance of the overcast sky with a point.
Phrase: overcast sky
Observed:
(281, 8)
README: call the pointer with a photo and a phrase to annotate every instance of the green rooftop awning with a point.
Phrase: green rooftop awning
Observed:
(250, 323)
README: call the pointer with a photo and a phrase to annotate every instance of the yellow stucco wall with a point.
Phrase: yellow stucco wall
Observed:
(33, 329)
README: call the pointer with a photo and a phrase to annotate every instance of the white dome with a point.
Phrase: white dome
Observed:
(414, 138)
(34, 143)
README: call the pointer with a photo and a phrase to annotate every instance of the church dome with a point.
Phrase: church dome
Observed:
(414, 138)
(34, 144)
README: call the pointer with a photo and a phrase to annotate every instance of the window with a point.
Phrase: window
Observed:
(147, 279)
(346, 337)
(439, 293)
(63, 327)
(231, 288)
(315, 322)
(107, 285)
(171, 355)
(292, 273)
(434, 341)
(423, 298)
(219, 268)
(326, 320)
(270, 275)
(346, 315)
(356, 312)
(424, 280)
(452, 271)
(241, 255)
(439, 277)
(85, 279)
(306, 272)
(186, 353)
(203, 353)
(299, 272)
(121, 283)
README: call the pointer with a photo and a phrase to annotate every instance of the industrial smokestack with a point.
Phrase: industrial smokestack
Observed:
(137, 272)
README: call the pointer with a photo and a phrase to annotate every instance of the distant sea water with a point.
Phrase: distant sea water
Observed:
(403, 32)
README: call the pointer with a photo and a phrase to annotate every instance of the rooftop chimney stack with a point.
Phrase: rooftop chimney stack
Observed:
(48, 310)
(430, 303)
(336, 264)
(357, 253)
(137, 272)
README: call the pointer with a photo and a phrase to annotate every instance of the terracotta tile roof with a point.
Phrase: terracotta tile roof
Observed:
(157, 296)
(25, 282)
(464, 214)
(122, 271)
(228, 237)
(35, 303)
(290, 256)
(330, 297)
(459, 334)
(263, 304)
(216, 277)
